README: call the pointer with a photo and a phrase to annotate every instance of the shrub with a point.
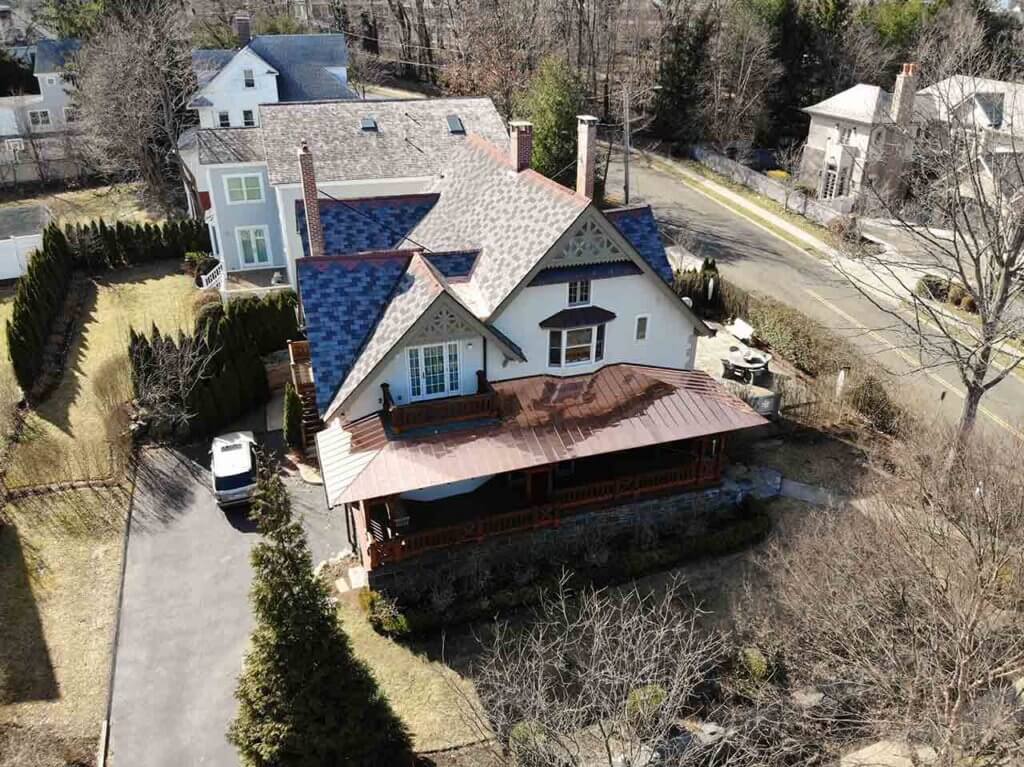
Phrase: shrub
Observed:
(843, 228)
(955, 294)
(292, 417)
(797, 338)
(642, 703)
(754, 664)
(198, 263)
(968, 304)
(931, 286)
(383, 614)
(870, 398)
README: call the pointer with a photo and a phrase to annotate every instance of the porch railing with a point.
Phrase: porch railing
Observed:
(446, 410)
(563, 503)
(213, 278)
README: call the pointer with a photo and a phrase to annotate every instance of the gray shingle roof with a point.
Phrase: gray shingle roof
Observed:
(512, 218)
(862, 103)
(51, 55)
(228, 145)
(207, 62)
(412, 137)
(302, 63)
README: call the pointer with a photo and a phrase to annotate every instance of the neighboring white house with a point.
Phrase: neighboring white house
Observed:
(37, 130)
(867, 135)
(266, 69)
(363, 149)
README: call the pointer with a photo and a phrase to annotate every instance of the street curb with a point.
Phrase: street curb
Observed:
(104, 744)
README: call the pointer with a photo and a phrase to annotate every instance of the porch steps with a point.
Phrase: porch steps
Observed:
(311, 420)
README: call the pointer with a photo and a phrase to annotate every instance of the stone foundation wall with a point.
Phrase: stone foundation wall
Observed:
(589, 537)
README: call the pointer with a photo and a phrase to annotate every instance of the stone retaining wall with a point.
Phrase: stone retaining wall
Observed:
(582, 537)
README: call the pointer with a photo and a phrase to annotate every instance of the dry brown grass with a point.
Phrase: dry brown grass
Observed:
(111, 203)
(419, 689)
(61, 559)
(68, 436)
(9, 393)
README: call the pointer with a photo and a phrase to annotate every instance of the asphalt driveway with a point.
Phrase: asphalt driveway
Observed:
(185, 618)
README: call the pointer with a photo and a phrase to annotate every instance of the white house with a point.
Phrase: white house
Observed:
(508, 354)
(363, 150)
(36, 130)
(266, 69)
(866, 135)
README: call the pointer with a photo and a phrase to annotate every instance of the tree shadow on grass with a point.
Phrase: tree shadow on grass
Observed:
(26, 669)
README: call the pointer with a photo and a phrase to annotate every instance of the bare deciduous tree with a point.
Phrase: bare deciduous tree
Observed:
(739, 74)
(906, 614)
(165, 374)
(598, 677)
(134, 81)
(961, 219)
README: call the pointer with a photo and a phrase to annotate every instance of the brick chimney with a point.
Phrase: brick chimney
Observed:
(901, 110)
(586, 155)
(241, 24)
(520, 144)
(311, 201)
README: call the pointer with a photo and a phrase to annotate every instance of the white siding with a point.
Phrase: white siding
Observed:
(670, 334)
(227, 91)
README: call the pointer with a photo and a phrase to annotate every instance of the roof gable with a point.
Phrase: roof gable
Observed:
(639, 226)
(308, 66)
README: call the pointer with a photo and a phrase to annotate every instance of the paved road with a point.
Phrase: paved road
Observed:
(755, 259)
(186, 616)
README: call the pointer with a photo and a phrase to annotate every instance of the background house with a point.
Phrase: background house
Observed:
(37, 130)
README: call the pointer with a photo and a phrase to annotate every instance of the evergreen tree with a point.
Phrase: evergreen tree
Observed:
(677, 106)
(292, 417)
(304, 698)
(555, 97)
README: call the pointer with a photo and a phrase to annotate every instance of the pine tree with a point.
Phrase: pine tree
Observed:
(552, 102)
(292, 417)
(304, 698)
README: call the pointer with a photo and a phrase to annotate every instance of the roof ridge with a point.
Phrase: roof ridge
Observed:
(368, 103)
(362, 255)
(380, 198)
(477, 141)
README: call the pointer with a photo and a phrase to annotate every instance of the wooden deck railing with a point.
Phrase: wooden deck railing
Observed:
(564, 502)
(446, 410)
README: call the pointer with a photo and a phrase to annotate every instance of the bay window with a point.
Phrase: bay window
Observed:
(576, 346)
(434, 370)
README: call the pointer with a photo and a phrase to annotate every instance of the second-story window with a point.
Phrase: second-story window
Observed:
(577, 346)
(224, 119)
(70, 114)
(845, 134)
(640, 333)
(249, 77)
(579, 292)
(248, 118)
(247, 188)
(39, 118)
(434, 370)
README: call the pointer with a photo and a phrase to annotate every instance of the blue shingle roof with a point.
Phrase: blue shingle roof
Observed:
(51, 55)
(559, 274)
(641, 229)
(343, 299)
(302, 63)
(455, 264)
(372, 223)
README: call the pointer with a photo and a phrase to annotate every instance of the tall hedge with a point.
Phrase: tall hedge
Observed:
(92, 247)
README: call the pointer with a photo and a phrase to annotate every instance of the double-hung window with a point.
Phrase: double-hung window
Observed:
(249, 77)
(434, 370)
(252, 245)
(576, 346)
(247, 188)
(579, 292)
(70, 115)
(248, 118)
(39, 118)
(224, 119)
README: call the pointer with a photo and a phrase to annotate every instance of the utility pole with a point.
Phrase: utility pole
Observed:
(625, 142)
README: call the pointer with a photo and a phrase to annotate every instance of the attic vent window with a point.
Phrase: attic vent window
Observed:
(369, 125)
(455, 125)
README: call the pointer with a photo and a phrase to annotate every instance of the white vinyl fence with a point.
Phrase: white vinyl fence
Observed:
(14, 254)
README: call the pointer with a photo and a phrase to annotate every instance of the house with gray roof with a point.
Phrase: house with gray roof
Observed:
(865, 137)
(495, 353)
(37, 130)
(250, 179)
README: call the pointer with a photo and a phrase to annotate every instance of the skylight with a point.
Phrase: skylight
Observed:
(369, 124)
(455, 125)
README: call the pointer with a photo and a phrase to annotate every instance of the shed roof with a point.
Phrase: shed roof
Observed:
(546, 419)
(22, 220)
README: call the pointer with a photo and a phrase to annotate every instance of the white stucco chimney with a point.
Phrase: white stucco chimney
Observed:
(586, 154)
(241, 24)
(901, 110)
(520, 144)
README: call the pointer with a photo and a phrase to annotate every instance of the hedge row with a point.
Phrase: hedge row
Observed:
(38, 301)
(41, 292)
(268, 323)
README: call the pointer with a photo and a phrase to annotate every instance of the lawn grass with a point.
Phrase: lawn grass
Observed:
(421, 691)
(9, 393)
(67, 436)
(60, 560)
(111, 203)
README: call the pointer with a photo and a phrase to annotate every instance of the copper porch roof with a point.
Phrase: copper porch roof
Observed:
(545, 419)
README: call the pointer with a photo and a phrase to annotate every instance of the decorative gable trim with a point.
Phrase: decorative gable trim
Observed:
(594, 236)
(237, 61)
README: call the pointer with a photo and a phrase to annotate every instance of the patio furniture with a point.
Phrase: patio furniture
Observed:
(745, 365)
